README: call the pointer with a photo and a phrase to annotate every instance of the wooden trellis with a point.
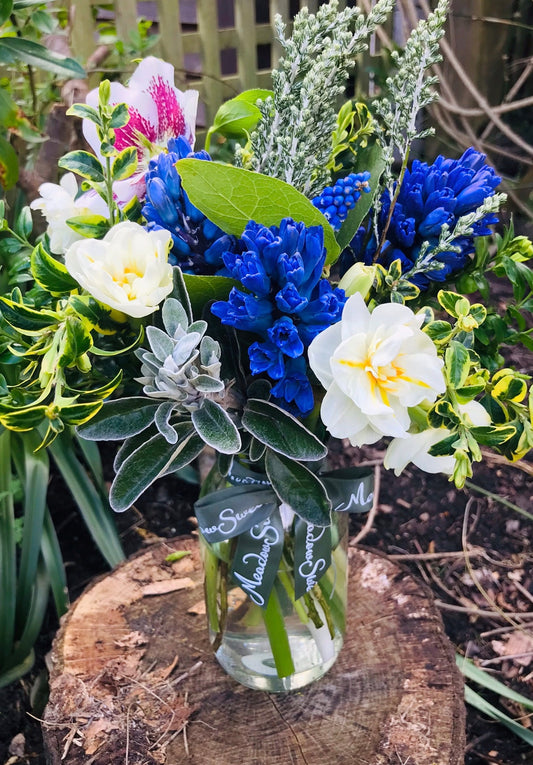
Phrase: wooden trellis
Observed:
(202, 29)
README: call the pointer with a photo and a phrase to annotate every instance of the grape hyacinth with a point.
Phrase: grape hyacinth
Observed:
(430, 197)
(336, 201)
(197, 243)
(287, 303)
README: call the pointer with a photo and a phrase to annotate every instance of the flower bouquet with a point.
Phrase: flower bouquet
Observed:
(311, 286)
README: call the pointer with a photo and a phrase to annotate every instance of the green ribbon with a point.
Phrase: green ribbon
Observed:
(230, 512)
(249, 510)
(257, 557)
(312, 555)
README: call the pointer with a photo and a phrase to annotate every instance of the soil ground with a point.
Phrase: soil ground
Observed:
(417, 514)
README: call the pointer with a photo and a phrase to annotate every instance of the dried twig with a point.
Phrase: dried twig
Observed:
(373, 510)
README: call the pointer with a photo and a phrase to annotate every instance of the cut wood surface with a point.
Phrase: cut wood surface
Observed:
(133, 680)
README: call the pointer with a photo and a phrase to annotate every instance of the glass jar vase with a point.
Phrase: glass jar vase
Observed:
(286, 635)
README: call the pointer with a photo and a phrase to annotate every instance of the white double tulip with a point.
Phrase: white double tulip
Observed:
(59, 202)
(127, 270)
(374, 366)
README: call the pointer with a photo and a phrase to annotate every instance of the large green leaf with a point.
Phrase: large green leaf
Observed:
(216, 428)
(281, 431)
(37, 55)
(238, 116)
(231, 196)
(6, 6)
(27, 320)
(370, 159)
(203, 289)
(120, 419)
(299, 488)
(53, 560)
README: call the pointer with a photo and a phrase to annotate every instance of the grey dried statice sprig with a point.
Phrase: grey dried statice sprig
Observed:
(182, 368)
(410, 90)
(292, 140)
(426, 259)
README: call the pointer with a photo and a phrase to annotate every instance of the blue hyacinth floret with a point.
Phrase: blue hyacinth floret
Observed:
(197, 243)
(287, 303)
(430, 196)
(335, 202)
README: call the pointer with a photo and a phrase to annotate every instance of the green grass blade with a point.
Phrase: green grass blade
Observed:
(483, 706)
(91, 455)
(53, 561)
(13, 673)
(34, 615)
(36, 474)
(469, 670)
(497, 498)
(96, 514)
(8, 570)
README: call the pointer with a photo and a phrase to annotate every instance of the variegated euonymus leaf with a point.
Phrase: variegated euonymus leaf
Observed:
(299, 488)
(457, 362)
(282, 432)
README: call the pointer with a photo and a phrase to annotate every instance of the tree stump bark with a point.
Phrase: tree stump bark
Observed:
(134, 682)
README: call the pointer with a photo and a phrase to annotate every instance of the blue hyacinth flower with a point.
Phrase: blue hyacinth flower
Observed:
(287, 304)
(335, 202)
(430, 197)
(197, 243)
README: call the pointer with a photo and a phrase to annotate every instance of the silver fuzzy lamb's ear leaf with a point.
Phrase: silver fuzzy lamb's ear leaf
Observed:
(199, 326)
(299, 488)
(282, 432)
(209, 351)
(216, 428)
(174, 316)
(207, 384)
(119, 419)
(162, 417)
(162, 345)
(139, 471)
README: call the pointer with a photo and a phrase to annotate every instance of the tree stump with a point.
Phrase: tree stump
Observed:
(134, 682)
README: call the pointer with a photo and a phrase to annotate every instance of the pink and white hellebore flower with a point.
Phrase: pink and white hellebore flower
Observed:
(158, 111)
(58, 203)
(374, 366)
(415, 447)
(127, 270)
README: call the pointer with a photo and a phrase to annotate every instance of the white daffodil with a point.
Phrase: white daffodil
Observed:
(374, 366)
(415, 447)
(58, 203)
(128, 269)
